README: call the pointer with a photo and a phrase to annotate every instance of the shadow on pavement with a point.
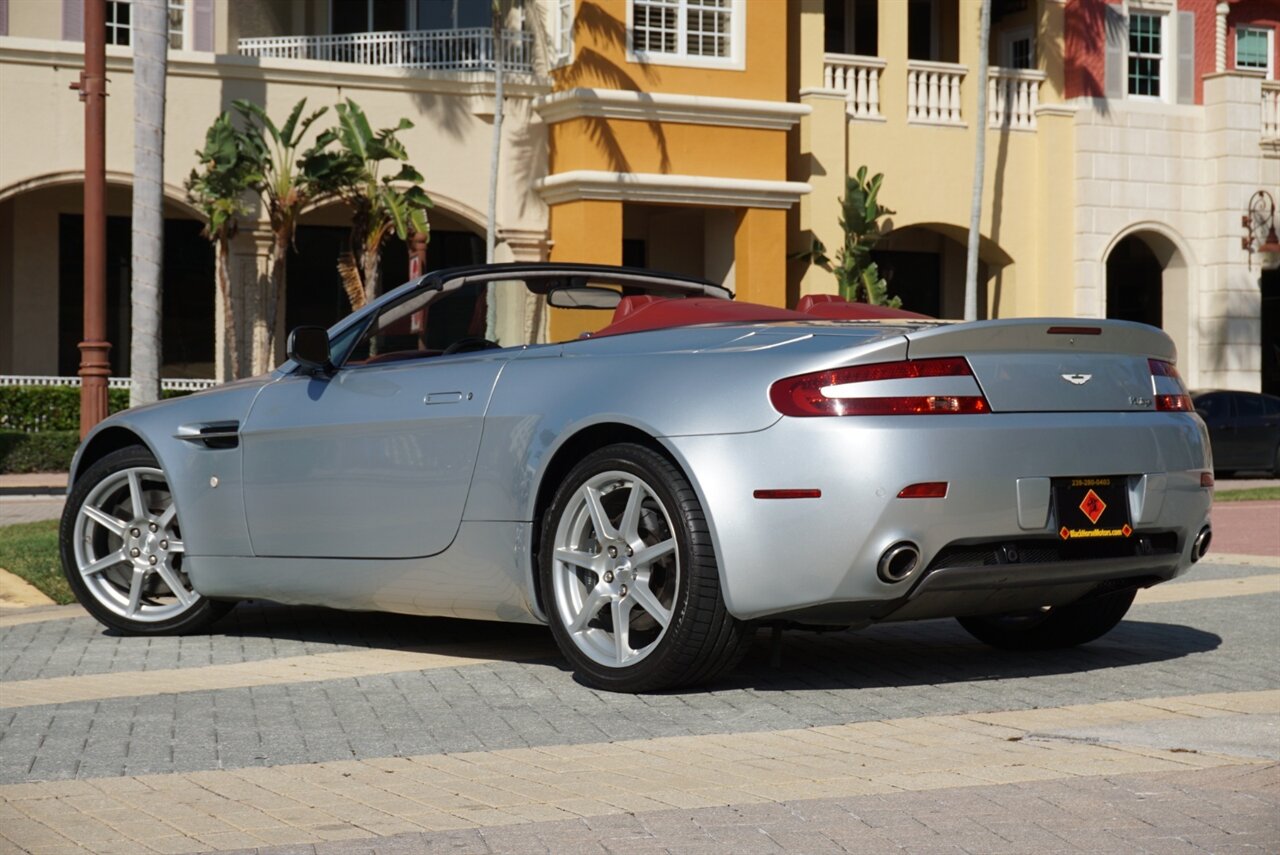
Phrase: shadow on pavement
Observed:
(939, 652)
(384, 631)
(909, 654)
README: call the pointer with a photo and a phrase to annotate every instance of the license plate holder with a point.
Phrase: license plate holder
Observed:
(1092, 507)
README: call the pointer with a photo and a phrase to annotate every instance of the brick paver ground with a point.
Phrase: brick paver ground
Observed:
(1234, 809)
(910, 736)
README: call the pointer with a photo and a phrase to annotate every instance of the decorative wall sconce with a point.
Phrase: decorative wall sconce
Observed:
(1260, 230)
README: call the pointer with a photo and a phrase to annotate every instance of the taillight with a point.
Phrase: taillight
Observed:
(804, 395)
(1166, 385)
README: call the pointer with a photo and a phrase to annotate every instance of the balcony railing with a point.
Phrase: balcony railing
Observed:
(933, 92)
(1271, 112)
(181, 385)
(1012, 97)
(859, 78)
(449, 50)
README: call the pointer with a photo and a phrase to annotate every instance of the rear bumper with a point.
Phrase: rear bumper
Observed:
(815, 559)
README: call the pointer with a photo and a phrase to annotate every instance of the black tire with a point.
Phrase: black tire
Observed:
(109, 593)
(700, 641)
(1057, 627)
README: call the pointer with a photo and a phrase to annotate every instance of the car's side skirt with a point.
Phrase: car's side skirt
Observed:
(483, 575)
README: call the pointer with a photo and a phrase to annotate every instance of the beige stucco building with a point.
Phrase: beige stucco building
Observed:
(1124, 142)
(42, 155)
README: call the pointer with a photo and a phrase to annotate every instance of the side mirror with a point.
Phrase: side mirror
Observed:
(309, 347)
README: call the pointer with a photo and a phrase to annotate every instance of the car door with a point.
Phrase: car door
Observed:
(373, 462)
(1252, 433)
(1215, 409)
(375, 458)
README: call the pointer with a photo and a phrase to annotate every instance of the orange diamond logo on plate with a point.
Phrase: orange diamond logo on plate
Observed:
(1065, 533)
(1092, 506)
(1126, 531)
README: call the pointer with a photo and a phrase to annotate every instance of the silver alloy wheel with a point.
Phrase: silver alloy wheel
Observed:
(129, 549)
(616, 569)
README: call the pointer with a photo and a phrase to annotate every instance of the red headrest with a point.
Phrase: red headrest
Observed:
(658, 313)
(808, 301)
(837, 308)
(627, 305)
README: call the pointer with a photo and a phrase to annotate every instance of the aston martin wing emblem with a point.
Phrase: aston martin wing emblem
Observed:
(1077, 379)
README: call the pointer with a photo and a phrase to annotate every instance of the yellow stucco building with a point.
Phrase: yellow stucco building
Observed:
(667, 136)
(702, 137)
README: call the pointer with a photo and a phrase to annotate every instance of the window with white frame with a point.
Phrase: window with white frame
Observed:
(1146, 54)
(119, 17)
(564, 31)
(1018, 49)
(1255, 46)
(695, 32)
(119, 27)
(176, 10)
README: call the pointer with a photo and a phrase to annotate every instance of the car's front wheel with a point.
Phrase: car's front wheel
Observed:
(629, 576)
(123, 552)
(1053, 626)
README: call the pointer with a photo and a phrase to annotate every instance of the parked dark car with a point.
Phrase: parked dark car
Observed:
(1244, 429)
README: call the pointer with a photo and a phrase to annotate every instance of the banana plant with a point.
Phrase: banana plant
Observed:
(288, 178)
(372, 175)
(857, 276)
(217, 188)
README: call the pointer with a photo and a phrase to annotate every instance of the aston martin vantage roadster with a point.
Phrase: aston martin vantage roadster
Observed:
(654, 469)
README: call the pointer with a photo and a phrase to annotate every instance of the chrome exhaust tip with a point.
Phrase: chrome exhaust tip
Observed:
(1201, 544)
(898, 562)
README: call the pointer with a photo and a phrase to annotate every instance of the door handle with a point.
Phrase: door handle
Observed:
(444, 397)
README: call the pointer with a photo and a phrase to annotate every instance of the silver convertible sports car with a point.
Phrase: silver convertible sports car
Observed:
(659, 487)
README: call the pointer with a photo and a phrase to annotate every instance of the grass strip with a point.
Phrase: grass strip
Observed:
(1253, 494)
(30, 551)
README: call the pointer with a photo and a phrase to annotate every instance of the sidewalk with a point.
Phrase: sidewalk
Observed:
(33, 484)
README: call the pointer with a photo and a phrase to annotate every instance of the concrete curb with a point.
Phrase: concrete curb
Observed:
(16, 593)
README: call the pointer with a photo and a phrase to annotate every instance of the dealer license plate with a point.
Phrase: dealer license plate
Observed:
(1092, 507)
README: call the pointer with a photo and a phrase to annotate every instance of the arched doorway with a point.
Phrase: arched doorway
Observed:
(1147, 282)
(42, 281)
(924, 265)
(1269, 285)
(314, 292)
(1135, 289)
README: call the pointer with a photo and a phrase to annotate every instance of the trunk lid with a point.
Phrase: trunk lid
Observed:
(1055, 365)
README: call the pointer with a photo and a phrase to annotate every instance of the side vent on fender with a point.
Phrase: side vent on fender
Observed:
(211, 434)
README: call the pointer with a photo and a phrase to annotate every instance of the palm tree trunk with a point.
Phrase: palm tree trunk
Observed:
(229, 307)
(979, 169)
(274, 299)
(491, 227)
(369, 263)
(150, 60)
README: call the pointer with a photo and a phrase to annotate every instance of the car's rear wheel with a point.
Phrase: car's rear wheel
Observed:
(123, 552)
(629, 576)
(1053, 626)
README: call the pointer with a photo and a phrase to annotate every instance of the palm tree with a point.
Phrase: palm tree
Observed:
(150, 62)
(500, 10)
(379, 201)
(218, 190)
(858, 278)
(979, 169)
(288, 181)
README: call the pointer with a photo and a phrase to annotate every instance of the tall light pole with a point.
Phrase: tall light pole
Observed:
(95, 367)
